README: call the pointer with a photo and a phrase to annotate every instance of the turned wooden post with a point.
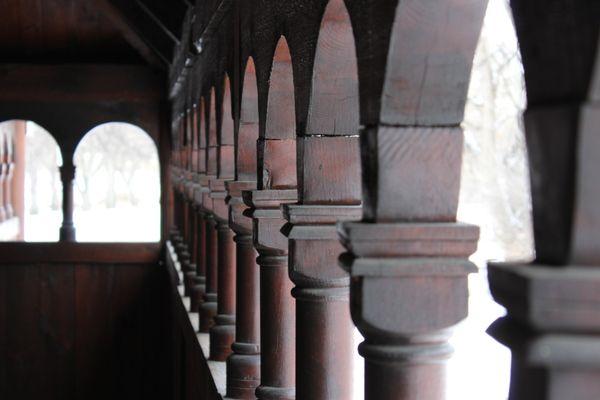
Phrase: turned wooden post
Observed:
(243, 366)
(222, 334)
(67, 177)
(553, 322)
(189, 266)
(3, 173)
(208, 309)
(18, 181)
(408, 257)
(276, 185)
(199, 287)
(8, 176)
(328, 191)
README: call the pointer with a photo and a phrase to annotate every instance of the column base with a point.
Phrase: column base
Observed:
(197, 293)
(275, 393)
(67, 234)
(208, 311)
(222, 335)
(243, 372)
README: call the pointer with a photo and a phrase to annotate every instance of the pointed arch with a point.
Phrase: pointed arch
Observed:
(277, 145)
(280, 122)
(429, 61)
(248, 130)
(226, 162)
(202, 124)
(211, 137)
(334, 102)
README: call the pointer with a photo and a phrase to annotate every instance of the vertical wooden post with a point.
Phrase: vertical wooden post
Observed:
(408, 256)
(328, 191)
(18, 184)
(553, 321)
(3, 173)
(67, 177)
(208, 309)
(243, 366)
(276, 167)
(199, 287)
(222, 334)
(8, 176)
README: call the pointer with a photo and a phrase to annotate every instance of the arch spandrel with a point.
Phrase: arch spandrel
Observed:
(227, 124)
(280, 122)
(277, 145)
(201, 135)
(212, 136)
(248, 130)
(429, 61)
(334, 100)
(225, 161)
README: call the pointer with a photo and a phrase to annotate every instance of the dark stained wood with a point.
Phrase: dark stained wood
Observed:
(408, 257)
(144, 23)
(61, 31)
(67, 179)
(551, 328)
(77, 330)
(70, 100)
(97, 253)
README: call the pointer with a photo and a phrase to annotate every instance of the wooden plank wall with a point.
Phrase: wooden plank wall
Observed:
(84, 331)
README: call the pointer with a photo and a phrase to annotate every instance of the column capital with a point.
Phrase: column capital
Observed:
(265, 210)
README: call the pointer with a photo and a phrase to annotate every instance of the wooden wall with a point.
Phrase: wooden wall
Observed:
(84, 330)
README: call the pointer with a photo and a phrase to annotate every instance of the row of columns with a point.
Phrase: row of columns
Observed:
(347, 194)
(284, 283)
(12, 178)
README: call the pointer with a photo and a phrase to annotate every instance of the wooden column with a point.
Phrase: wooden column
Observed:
(408, 255)
(243, 366)
(276, 186)
(189, 266)
(18, 182)
(198, 290)
(67, 177)
(221, 125)
(328, 191)
(3, 173)
(208, 309)
(553, 322)
(8, 175)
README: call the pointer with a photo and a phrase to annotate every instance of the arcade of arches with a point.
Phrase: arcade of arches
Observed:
(310, 160)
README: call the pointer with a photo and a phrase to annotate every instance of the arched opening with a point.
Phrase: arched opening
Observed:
(495, 195)
(30, 187)
(117, 185)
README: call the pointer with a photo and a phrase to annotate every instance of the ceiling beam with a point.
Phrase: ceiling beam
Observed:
(141, 29)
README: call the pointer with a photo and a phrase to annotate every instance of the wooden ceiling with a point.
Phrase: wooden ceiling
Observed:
(89, 31)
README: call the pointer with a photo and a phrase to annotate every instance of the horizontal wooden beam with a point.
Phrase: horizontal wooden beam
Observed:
(96, 253)
(79, 82)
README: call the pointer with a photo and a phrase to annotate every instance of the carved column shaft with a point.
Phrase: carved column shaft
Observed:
(243, 366)
(277, 306)
(324, 329)
(222, 334)
(208, 309)
(3, 174)
(67, 177)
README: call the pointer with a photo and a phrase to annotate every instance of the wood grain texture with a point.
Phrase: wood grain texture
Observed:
(280, 115)
(334, 100)
(80, 330)
(329, 170)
